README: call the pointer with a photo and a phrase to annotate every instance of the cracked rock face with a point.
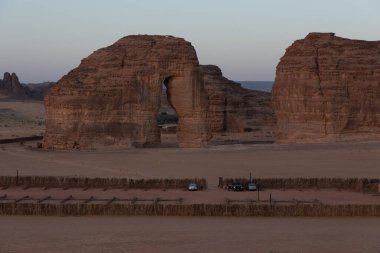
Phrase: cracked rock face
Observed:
(113, 97)
(327, 89)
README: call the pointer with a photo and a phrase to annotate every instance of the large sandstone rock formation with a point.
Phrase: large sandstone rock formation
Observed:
(113, 96)
(11, 86)
(233, 108)
(327, 89)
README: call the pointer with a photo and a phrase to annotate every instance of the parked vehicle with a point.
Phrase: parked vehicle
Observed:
(192, 187)
(235, 186)
(251, 187)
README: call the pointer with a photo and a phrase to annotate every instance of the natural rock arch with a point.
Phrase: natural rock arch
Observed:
(113, 97)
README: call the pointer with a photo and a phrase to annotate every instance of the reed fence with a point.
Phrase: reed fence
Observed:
(111, 183)
(236, 210)
(352, 184)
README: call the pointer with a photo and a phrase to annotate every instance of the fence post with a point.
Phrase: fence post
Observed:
(220, 185)
(258, 192)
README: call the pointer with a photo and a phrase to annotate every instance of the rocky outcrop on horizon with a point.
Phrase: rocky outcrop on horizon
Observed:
(11, 86)
(233, 108)
(327, 89)
(113, 97)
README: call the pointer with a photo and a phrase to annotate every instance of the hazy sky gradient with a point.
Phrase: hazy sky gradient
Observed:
(41, 40)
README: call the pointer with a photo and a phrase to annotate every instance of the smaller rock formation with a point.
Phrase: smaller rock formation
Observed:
(11, 86)
(327, 89)
(233, 108)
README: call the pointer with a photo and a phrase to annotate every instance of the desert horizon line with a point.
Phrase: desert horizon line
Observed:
(51, 81)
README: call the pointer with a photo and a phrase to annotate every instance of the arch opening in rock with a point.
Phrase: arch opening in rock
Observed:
(167, 117)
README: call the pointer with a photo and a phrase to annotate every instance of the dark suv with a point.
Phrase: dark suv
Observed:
(235, 186)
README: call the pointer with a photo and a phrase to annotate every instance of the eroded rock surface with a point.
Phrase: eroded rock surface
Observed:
(113, 97)
(327, 89)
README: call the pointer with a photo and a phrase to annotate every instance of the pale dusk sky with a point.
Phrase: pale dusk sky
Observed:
(41, 40)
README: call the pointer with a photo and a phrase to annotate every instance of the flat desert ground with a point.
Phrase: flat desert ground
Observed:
(178, 234)
(186, 234)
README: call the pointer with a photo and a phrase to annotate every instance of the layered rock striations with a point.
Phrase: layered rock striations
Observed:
(113, 97)
(327, 89)
(233, 108)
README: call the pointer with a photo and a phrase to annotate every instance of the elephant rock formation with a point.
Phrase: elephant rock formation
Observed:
(113, 97)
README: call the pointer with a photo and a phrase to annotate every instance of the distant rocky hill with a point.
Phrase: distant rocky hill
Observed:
(11, 87)
(257, 85)
(38, 90)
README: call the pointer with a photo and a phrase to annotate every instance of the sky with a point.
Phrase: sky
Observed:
(42, 40)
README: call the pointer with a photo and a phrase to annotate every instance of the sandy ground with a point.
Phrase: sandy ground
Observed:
(21, 118)
(262, 160)
(176, 234)
(159, 234)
